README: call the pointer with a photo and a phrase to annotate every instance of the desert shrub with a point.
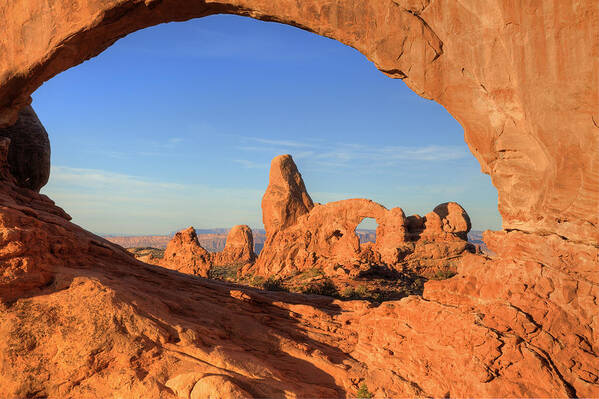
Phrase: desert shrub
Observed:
(443, 275)
(359, 292)
(143, 251)
(362, 290)
(311, 273)
(256, 281)
(363, 392)
(228, 273)
(323, 287)
(273, 284)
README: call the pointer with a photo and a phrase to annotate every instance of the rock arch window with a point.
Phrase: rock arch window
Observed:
(138, 150)
(543, 163)
(366, 230)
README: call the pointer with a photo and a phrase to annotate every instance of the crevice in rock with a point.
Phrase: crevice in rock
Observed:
(545, 233)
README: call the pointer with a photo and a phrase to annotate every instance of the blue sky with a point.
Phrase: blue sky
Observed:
(175, 125)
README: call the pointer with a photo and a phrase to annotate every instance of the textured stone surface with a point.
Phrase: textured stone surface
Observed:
(286, 198)
(185, 254)
(325, 235)
(29, 154)
(81, 318)
(239, 247)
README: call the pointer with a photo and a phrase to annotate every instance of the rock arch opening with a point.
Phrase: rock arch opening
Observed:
(363, 165)
(366, 230)
(169, 147)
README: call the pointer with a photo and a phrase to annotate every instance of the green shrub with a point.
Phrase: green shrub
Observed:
(323, 287)
(228, 273)
(362, 290)
(355, 293)
(444, 274)
(256, 281)
(273, 284)
(363, 392)
(311, 273)
(154, 252)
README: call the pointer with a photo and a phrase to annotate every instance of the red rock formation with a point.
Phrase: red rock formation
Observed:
(325, 236)
(81, 318)
(185, 254)
(445, 52)
(286, 198)
(239, 248)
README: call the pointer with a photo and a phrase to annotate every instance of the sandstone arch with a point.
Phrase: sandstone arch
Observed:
(522, 81)
(323, 236)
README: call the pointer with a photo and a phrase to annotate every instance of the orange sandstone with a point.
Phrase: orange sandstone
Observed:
(324, 236)
(81, 318)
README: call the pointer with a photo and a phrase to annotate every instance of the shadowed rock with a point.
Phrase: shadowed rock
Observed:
(29, 152)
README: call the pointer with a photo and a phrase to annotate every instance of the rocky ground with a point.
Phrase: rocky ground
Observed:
(375, 283)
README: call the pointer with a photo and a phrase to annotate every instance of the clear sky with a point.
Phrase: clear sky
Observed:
(175, 125)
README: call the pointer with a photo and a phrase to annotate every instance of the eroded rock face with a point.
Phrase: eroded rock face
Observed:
(324, 237)
(531, 129)
(185, 254)
(239, 248)
(286, 198)
(523, 83)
